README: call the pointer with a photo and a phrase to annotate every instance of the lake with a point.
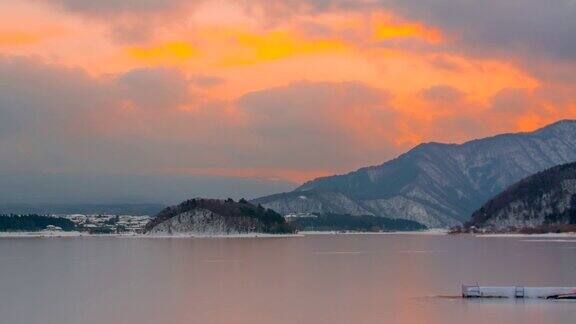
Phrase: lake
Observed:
(371, 278)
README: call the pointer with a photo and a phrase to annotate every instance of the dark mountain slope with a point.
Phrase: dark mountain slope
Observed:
(547, 198)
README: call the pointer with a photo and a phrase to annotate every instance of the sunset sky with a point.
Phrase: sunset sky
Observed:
(271, 90)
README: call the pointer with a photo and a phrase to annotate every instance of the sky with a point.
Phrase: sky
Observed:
(267, 93)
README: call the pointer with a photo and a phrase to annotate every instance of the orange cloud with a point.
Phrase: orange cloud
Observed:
(27, 37)
(388, 26)
(169, 52)
(384, 31)
(254, 48)
(18, 38)
(375, 47)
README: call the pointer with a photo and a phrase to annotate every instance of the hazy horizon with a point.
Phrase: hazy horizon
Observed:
(126, 188)
(122, 189)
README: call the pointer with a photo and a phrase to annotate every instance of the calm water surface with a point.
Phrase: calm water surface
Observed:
(312, 279)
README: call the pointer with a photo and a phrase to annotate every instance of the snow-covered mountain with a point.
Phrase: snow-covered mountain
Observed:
(436, 184)
(543, 200)
(216, 217)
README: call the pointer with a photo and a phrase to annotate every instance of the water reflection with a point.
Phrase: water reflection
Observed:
(313, 279)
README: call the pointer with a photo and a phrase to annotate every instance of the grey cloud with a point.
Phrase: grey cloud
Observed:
(445, 63)
(116, 7)
(512, 101)
(131, 31)
(206, 81)
(281, 9)
(46, 103)
(71, 122)
(528, 28)
(129, 20)
(156, 88)
(289, 111)
(136, 20)
(442, 94)
(316, 119)
(61, 121)
(539, 35)
(68, 120)
(32, 94)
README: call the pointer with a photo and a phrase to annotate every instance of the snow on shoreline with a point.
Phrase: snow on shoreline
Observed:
(47, 234)
(425, 232)
(210, 236)
(41, 234)
(61, 234)
(57, 234)
(517, 235)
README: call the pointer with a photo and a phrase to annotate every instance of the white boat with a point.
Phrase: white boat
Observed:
(476, 291)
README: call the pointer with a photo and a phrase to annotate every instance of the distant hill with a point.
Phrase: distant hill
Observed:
(545, 201)
(438, 185)
(217, 217)
(60, 209)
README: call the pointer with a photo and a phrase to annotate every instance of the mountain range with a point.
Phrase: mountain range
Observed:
(436, 184)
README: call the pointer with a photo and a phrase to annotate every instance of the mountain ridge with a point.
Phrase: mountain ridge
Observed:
(437, 184)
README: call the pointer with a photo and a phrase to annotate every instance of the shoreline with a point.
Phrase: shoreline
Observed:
(17, 235)
(48, 234)
(75, 234)
(539, 235)
(435, 231)
(218, 236)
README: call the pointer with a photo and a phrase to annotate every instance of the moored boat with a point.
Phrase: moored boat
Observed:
(477, 291)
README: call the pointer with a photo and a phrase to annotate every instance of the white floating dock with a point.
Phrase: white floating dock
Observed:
(518, 292)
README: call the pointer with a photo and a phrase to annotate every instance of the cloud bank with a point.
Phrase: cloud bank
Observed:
(269, 91)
